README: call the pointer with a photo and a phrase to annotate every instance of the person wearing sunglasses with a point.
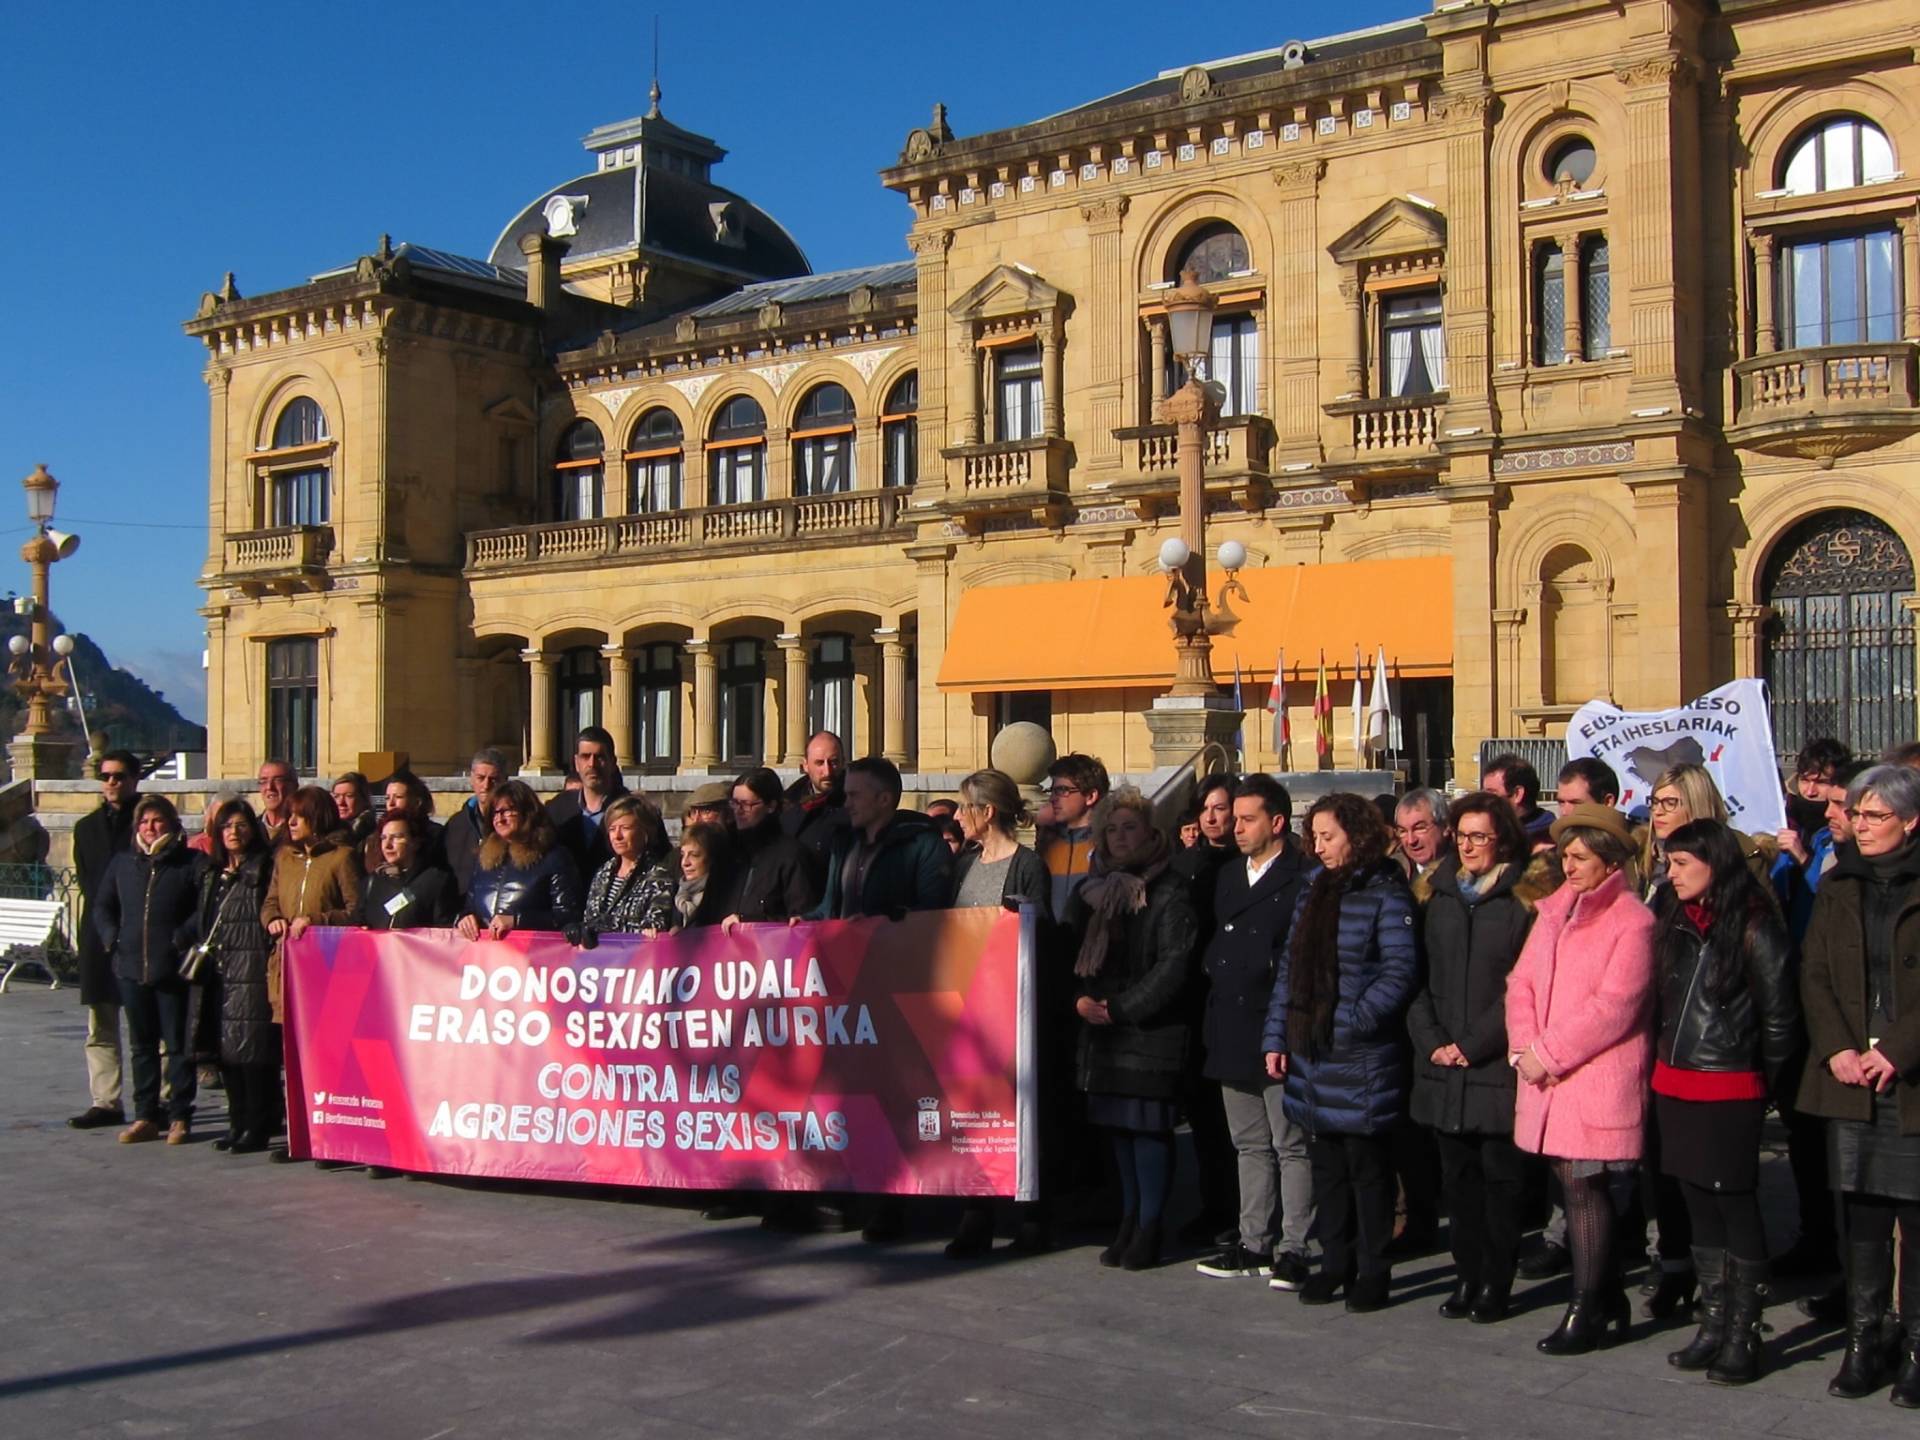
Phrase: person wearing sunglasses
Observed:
(1860, 989)
(98, 836)
(526, 879)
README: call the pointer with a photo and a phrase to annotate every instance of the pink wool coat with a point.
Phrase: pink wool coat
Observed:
(1581, 995)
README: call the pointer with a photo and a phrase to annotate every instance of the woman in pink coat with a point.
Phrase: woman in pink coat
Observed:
(1579, 1033)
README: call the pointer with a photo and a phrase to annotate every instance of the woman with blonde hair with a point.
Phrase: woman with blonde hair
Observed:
(1138, 942)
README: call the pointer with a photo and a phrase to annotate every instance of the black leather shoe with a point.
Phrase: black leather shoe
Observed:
(1143, 1251)
(1491, 1304)
(1459, 1305)
(1672, 1296)
(1584, 1327)
(1368, 1293)
(1110, 1257)
(97, 1117)
(1320, 1289)
(1546, 1262)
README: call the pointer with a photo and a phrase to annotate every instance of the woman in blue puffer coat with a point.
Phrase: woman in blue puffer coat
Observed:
(1336, 1034)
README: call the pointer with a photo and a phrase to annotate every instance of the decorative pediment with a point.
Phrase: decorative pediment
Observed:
(1005, 290)
(1397, 229)
(511, 411)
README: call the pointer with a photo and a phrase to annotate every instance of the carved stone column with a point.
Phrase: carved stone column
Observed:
(1108, 356)
(1050, 380)
(793, 698)
(1157, 358)
(540, 756)
(616, 704)
(1748, 626)
(1572, 295)
(893, 696)
(706, 705)
(1766, 296)
(1910, 277)
(1350, 292)
(966, 388)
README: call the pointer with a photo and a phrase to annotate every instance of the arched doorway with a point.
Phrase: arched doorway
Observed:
(1840, 657)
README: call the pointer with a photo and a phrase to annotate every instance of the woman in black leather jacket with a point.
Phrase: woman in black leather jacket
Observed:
(1729, 1017)
(525, 879)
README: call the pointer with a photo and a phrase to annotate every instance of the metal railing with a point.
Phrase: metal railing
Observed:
(43, 882)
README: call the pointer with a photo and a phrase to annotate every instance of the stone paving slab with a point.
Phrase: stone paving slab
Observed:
(155, 1291)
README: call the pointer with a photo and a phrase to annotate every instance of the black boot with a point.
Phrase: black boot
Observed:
(1738, 1362)
(1110, 1256)
(1143, 1251)
(1906, 1383)
(1584, 1326)
(1700, 1352)
(1672, 1295)
(1869, 1287)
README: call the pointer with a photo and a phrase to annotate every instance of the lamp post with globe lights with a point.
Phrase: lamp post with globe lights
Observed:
(1193, 713)
(38, 752)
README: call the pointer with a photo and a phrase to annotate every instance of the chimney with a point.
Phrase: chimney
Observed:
(543, 254)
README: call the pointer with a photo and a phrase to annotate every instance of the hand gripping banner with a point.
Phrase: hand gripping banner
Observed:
(869, 1056)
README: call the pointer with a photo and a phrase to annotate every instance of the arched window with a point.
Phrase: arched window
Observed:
(823, 442)
(1213, 252)
(300, 489)
(737, 453)
(900, 432)
(303, 422)
(1837, 153)
(579, 473)
(1572, 161)
(654, 462)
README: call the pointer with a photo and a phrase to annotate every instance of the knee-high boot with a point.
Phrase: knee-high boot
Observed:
(1738, 1362)
(1700, 1352)
(1869, 1287)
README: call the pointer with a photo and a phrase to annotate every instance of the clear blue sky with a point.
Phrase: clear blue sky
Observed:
(150, 148)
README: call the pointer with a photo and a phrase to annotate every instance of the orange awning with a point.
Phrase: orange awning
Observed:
(1113, 634)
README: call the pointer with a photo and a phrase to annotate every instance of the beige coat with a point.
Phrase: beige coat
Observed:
(320, 881)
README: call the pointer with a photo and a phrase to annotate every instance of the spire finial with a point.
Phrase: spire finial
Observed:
(653, 91)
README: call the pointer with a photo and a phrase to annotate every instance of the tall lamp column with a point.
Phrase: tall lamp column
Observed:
(40, 751)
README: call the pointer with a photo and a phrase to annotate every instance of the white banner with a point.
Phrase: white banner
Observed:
(1729, 730)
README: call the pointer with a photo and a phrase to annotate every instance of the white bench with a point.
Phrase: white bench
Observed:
(25, 928)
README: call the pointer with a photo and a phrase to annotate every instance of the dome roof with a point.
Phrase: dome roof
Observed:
(651, 190)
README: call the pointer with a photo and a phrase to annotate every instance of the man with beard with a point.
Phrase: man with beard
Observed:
(815, 812)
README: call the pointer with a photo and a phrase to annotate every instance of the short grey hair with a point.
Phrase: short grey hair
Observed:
(487, 755)
(1434, 802)
(1897, 786)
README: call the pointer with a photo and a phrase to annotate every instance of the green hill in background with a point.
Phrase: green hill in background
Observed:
(134, 715)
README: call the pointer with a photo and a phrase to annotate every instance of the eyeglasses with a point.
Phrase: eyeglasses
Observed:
(756, 803)
(1416, 830)
(507, 810)
(1871, 817)
(1471, 839)
(1058, 790)
(114, 777)
(1666, 804)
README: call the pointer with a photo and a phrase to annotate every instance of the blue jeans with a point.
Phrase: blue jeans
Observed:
(157, 1013)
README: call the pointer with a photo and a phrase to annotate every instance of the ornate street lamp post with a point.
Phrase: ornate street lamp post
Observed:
(38, 752)
(1193, 718)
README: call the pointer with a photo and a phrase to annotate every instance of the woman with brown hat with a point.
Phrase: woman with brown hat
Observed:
(1579, 1039)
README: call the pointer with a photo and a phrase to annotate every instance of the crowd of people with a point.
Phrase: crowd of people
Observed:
(1413, 1009)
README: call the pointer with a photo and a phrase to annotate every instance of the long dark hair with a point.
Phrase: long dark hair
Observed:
(1313, 989)
(1734, 897)
(216, 832)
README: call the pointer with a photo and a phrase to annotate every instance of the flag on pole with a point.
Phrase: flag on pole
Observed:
(1359, 714)
(1322, 719)
(1277, 703)
(1379, 706)
(1240, 709)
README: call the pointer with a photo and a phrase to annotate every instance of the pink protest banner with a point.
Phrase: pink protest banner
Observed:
(871, 1056)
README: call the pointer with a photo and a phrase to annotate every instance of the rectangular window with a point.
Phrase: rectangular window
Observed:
(656, 703)
(823, 465)
(1840, 290)
(1413, 343)
(656, 484)
(293, 703)
(301, 497)
(1596, 301)
(1012, 706)
(576, 492)
(743, 678)
(1017, 408)
(901, 442)
(1233, 360)
(830, 688)
(739, 474)
(1549, 305)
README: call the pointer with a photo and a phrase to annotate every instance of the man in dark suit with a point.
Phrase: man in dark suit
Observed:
(576, 814)
(98, 836)
(1253, 904)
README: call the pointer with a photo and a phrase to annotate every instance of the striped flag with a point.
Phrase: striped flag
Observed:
(1322, 719)
(1277, 703)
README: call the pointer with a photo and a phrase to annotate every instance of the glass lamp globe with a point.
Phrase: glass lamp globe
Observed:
(1174, 553)
(19, 645)
(1232, 555)
(63, 645)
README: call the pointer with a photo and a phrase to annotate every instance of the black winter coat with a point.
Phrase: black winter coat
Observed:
(464, 831)
(1757, 1028)
(816, 828)
(1471, 944)
(542, 896)
(229, 916)
(98, 836)
(431, 899)
(1243, 954)
(586, 843)
(1149, 964)
(1201, 867)
(1358, 1084)
(913, 870)
(146, 912)
(767, 879)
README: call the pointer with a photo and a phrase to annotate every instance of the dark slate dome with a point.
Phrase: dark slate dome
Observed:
(651, 189)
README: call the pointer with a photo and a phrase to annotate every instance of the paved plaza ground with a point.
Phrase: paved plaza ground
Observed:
(148, 1291)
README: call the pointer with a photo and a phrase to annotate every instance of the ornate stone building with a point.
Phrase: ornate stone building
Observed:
(1566, 349)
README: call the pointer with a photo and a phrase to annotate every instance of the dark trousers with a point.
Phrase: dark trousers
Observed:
(1417, 1167)
(253, 1100)
(1807, 1157)
(157, 1013)
(1216, 1159)
(1353, 1198)
(1484, 1177)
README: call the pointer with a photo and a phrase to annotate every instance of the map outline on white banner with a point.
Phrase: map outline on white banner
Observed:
(1728, 730)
